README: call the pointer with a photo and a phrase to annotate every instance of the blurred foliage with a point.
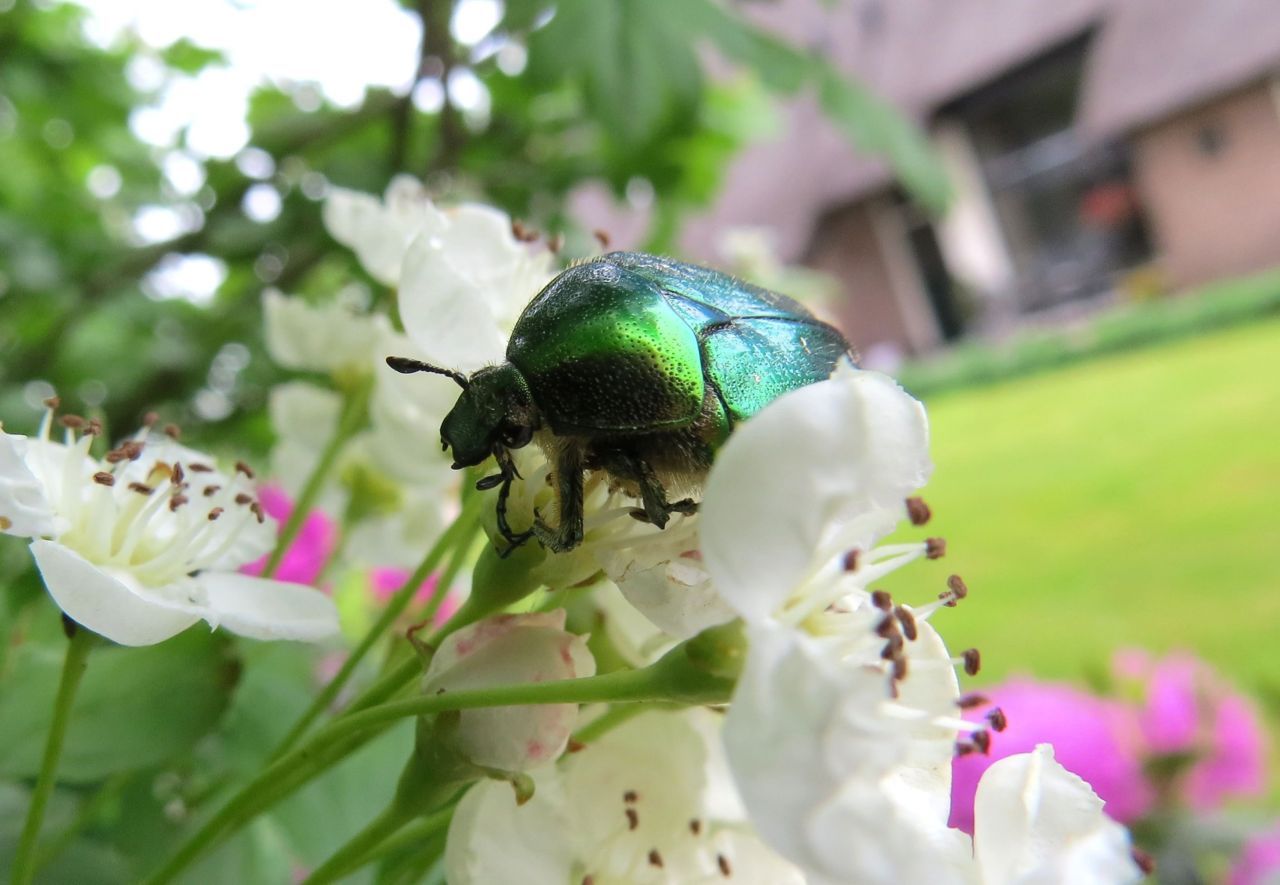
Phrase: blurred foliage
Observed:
(613, 92)
(1141, 324)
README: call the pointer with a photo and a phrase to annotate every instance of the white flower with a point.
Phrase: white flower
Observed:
(844, 722)
(465, 281)
(646, 803)
(380, 230)
(820, 471)
(463, 277)
(320, 337)
(142, 544)
(505, 650)
(845, 770)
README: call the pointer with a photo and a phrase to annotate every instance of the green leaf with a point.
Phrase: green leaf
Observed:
(136, 707)
(632, 60)
(183, 55)
(783, 68)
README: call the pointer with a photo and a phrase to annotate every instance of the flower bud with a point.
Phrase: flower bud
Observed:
(505, 650)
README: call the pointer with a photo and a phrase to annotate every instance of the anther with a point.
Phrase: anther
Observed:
(522, 231)
(200, 468)
(93, 428)
(602, 237)
(723, 863)
(907, 620)
(256, 509)
(918, 511)
(851, 560)
(892, 647)
(244, 468)
(178, 474)
(215, 513)
(633, 819)
(575, 746)
(970, 701)
(695, 827)
(5, 523)
(997, 720)
(887, 627)
(899, 668)
(882, 600)
(173, 431)
(132, 449)
(243, 499)
(150, 419)
(103, 478)
(72, 422)
(935, 548)
(210, 491)
(972, 661)
(982, 740)
(177, 501)
(1146, 863)
(957, 586)
(140, 488)
(655, 859)
(52, 402)
(630, 796)
(555, 244)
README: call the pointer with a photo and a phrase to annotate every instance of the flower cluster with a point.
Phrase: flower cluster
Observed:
(143, 542)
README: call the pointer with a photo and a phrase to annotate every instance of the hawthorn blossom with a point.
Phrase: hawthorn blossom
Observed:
(648, 802)
(142, 543)
(843, 725)
(505, 650)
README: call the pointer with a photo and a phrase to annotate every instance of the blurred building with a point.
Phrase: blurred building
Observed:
(1092, 145)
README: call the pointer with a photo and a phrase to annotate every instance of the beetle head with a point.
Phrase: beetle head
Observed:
(493, 414)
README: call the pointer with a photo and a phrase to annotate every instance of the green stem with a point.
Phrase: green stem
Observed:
(352, 855)
(73, 667)
(85, 814)
(354, 413)
(412, 834)
(673, 678)
(461, 529)
(460, 555)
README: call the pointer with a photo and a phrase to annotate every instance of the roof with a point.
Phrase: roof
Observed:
(1149, 59)
(1155, 58)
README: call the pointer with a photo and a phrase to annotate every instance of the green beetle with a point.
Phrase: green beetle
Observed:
(636, 365)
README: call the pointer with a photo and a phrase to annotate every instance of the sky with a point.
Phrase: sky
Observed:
(317, 50)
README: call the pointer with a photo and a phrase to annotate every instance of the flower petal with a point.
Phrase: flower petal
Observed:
(318, 338)
(265, 609)
(107, 602)
(25, 509)
(379, 231)
(492, 839)
(1037, 822)
(821, 469)
(445, 312)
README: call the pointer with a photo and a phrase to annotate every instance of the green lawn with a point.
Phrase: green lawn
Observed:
(1133, 500)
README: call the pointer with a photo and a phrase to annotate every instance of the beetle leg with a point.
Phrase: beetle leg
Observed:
(628, 465)
(504, 528)
(568, 481)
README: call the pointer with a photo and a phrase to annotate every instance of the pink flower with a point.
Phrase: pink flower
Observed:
(1091, 737)
(1190, 710)
(385, 581)
(1259, 862)
(311, 548)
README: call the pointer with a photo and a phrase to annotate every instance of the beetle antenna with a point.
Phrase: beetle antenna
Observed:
(407, 366)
